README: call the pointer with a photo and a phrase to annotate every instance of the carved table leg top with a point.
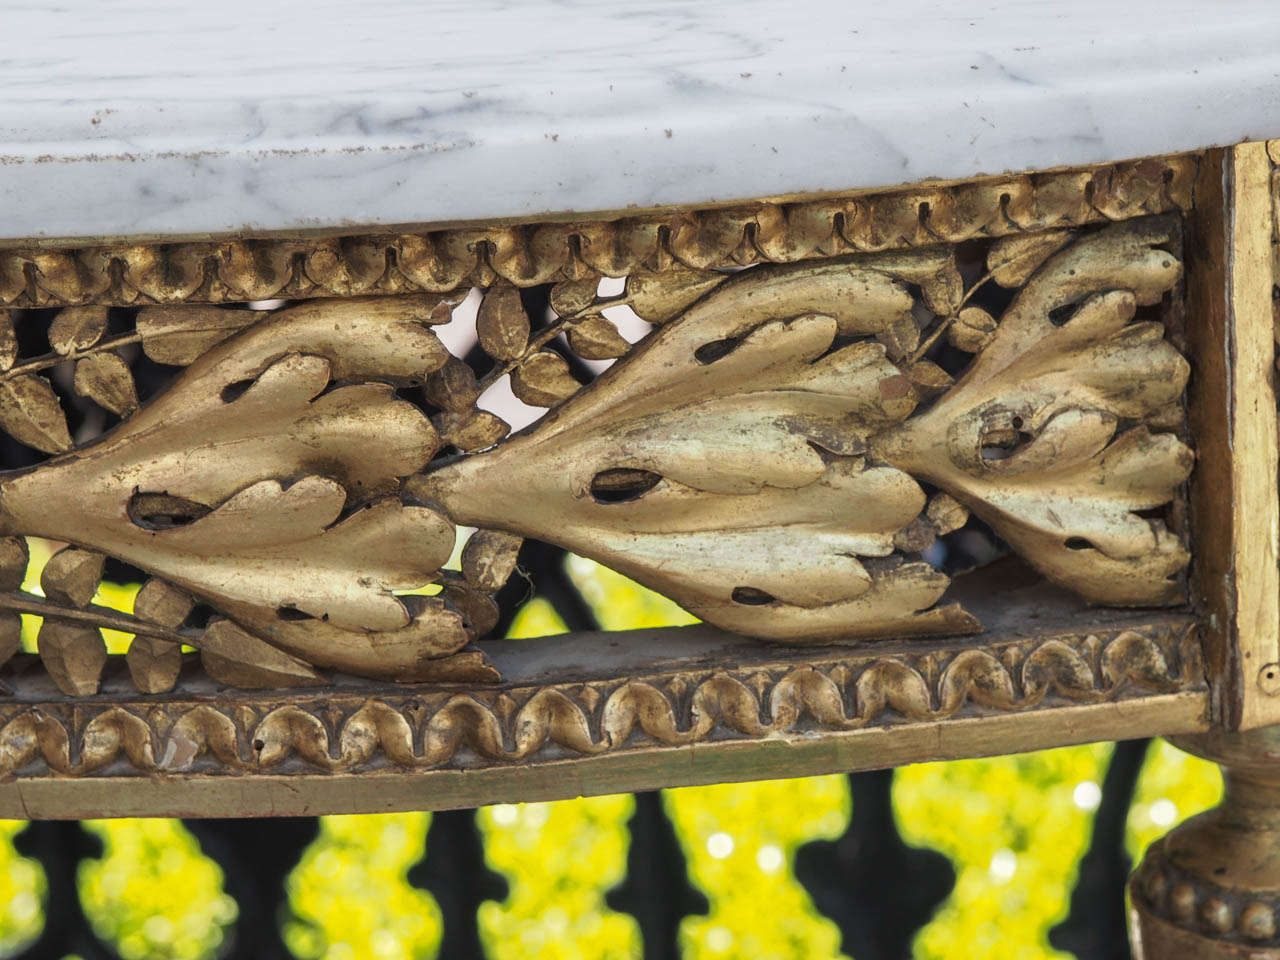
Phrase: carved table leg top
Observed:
(1211, 888)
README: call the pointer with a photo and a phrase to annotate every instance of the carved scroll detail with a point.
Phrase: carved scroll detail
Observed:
(524, 255)
(345, 733)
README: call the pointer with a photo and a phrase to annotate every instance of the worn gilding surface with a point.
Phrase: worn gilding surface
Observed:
(762, 457)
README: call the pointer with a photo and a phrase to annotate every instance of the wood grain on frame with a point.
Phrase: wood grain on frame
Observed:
(1236, 513)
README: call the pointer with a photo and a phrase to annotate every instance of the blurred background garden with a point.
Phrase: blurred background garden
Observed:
(1014, 829)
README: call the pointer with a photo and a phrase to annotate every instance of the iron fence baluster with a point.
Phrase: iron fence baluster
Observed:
(1096, 927)
(454, 871)
(60, 846)
(256, 857)
(878, 890)
(656, 889)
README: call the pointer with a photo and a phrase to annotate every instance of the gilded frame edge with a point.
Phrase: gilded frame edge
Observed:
(54, 798)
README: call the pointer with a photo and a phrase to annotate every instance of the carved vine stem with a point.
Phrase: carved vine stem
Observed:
(1025, 254)
(92, 615)
(53, 358)
(543, 337)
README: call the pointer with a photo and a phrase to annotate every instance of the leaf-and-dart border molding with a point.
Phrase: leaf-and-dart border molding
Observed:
(234, 270)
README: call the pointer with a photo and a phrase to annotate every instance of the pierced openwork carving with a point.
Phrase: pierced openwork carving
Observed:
(752, 457)
(775, 456)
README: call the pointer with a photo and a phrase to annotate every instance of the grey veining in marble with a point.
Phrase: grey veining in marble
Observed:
(150, 117)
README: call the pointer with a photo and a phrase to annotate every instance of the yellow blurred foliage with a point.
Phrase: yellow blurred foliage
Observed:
(559, 859)
(740, 841)
(350, 896)
(153, 894)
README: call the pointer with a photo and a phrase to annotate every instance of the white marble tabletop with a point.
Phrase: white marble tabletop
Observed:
(149, 117)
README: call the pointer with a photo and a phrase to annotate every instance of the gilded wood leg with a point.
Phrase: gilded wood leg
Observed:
(1211, 888)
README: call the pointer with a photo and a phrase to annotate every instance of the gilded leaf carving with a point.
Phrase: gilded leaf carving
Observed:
(759, 459)
(252, 483)
(77, 328)
(1044, 436)
(105, 379)
(779, 455)
(31, 413)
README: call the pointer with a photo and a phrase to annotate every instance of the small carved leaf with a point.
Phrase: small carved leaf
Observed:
(943, 293)
(237, 658)
(916, 536)
(478, 609)
(105, 379)
(10, 636)
(72, 576)
(442, 312)
(596, 338)
(8, 341)
(946, 513)
(489, 557)
(453, 387)
(74, 655)
(574, 296)
(900, 336)
(161, 602)
(1013, 259)
(543, 380)
(657, 297)
(177, 335)
(502, 326)
(972, 330)
(31, 414)
(928, 377)
(471, 430)
(154, 664)
(13, 562)
(77, 328)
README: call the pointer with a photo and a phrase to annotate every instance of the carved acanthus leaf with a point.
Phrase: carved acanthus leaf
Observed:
(1043, 436)
(723, 460)
(252, 483)
(752, 456)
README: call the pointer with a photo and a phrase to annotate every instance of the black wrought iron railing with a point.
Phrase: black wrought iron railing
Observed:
(877, 889)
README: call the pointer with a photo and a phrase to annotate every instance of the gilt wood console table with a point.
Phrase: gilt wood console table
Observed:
(829, 292)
